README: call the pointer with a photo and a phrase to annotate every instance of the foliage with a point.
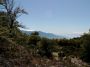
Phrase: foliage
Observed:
(10, 14)
(16, 45)
(85, 55)
(44, 47)
(33, 39)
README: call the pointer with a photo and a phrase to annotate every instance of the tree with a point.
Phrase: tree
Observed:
(12, 13)
(35, 33)
(34, 38)
(3, 19)
(45, 47)
(85, 55)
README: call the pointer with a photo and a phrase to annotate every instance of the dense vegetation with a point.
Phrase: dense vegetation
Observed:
(20, 50)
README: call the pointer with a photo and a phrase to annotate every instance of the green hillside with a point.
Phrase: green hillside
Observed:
(18, 49)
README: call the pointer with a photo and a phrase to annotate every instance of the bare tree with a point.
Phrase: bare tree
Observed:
(12, 12)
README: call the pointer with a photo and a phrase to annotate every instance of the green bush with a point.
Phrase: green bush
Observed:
(85, 55)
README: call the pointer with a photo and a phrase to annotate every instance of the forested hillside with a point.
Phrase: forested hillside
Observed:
(21, 50)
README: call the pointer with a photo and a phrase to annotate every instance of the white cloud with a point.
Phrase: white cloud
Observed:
(26, 29)
(79, 33)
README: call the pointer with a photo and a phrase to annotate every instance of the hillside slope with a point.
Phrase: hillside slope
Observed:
(13, 55)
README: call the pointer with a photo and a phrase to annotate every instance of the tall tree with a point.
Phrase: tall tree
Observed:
(12, 12)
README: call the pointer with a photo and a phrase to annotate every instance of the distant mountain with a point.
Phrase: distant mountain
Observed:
(47, 35)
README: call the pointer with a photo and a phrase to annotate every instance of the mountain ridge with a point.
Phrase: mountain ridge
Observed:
(45, 34)
(53, 36)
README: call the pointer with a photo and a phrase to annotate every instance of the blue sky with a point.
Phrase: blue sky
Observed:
(56, 16)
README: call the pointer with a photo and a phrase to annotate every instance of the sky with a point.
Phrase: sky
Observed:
(56, 16)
